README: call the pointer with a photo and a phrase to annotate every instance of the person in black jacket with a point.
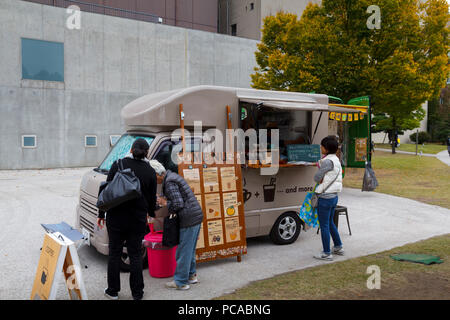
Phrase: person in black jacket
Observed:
(127, 222)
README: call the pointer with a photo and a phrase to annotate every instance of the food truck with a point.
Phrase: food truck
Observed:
(271, 202)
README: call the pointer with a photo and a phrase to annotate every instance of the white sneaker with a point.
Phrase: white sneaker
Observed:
(111, 297)
(338, 251)
(323, 256)
(173, 285)
(193, 279)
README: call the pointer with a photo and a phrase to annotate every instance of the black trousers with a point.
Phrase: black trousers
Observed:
(133, 237)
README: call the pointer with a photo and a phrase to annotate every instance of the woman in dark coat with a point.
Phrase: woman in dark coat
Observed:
(128, 221)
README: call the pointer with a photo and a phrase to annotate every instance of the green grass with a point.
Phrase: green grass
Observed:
(426, 148)
(425, 179)
(347, 279)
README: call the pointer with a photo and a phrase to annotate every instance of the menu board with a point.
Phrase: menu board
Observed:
(361, 149)
(222, 233)
(303, 152)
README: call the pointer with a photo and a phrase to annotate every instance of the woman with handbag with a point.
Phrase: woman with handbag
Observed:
(180, 200)
(127, 221)
(329, 177)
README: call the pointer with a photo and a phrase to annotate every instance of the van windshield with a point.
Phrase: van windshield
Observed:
(121, 149)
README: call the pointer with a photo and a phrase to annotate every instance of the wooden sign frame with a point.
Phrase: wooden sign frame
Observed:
(58, 256)
(225, 248)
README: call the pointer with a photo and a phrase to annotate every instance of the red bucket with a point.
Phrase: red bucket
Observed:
(161, 260)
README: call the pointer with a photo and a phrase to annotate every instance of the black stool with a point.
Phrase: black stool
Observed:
(339, 210)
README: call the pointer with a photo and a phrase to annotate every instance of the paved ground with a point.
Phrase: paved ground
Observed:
(443, 155)
(30, 197)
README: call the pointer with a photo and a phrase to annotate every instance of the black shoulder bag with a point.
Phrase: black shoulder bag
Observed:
(123, 187)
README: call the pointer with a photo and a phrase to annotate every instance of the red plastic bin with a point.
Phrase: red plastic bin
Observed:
(161, 259)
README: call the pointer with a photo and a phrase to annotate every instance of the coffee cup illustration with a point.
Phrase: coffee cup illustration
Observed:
(269, 190)
(44, 275)
(247, 195)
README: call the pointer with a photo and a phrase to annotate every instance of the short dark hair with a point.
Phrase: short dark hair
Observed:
(139, 149)
(330, 143)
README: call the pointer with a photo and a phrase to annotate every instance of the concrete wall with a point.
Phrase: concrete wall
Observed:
(107, 63)
(249, 22)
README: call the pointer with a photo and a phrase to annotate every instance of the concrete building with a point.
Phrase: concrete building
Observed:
(193, 14)
(244, 18)
(69, 118)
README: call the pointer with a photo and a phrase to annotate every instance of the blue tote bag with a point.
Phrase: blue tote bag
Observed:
(307, 213)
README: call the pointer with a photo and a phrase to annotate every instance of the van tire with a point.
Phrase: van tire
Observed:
(125, 262)
(286, 228)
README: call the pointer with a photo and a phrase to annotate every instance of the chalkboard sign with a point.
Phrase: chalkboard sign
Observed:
(303, 152)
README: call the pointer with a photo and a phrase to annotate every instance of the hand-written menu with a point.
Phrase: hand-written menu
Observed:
(210, 179)
(201, 238)
(212, 205)
(232, 229)
(199, 199)
(192, 177)
(230, 204)
(215, 232)
(228, 179)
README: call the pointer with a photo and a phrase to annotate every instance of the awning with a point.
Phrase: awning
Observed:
(347, 108)
(288, 105)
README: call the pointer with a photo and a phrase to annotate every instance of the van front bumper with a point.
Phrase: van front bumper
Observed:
(98, 238)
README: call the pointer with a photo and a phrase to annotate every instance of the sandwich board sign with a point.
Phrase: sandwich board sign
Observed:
(58, 256)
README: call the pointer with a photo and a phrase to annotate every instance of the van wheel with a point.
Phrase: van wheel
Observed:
(286, 228)
(125, 260)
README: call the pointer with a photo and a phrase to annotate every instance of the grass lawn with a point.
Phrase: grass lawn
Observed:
(425, 179)
(348, 279)
(427, 148)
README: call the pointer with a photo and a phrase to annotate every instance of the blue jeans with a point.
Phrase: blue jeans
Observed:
(325, 212)
(185, 255)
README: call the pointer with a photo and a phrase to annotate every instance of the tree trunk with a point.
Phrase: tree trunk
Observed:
(394, 135)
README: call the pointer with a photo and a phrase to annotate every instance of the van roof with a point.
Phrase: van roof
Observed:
(204, 103)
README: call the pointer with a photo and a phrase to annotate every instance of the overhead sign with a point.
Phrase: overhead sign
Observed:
(58, 256)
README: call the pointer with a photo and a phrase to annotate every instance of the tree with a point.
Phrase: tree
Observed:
(331, 50)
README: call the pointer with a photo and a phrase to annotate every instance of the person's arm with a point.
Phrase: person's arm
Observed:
(151, 199)
(325, 166)
(101, 213)
(175, 200)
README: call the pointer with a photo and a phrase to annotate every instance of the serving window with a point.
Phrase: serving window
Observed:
(294, 128)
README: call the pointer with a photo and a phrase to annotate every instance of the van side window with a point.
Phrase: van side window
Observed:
(164, 157)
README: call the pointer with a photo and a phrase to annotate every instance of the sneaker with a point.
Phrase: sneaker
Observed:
(111, 296)
(173, 285)
(193, 279)
(323, 256)
(338, 251)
